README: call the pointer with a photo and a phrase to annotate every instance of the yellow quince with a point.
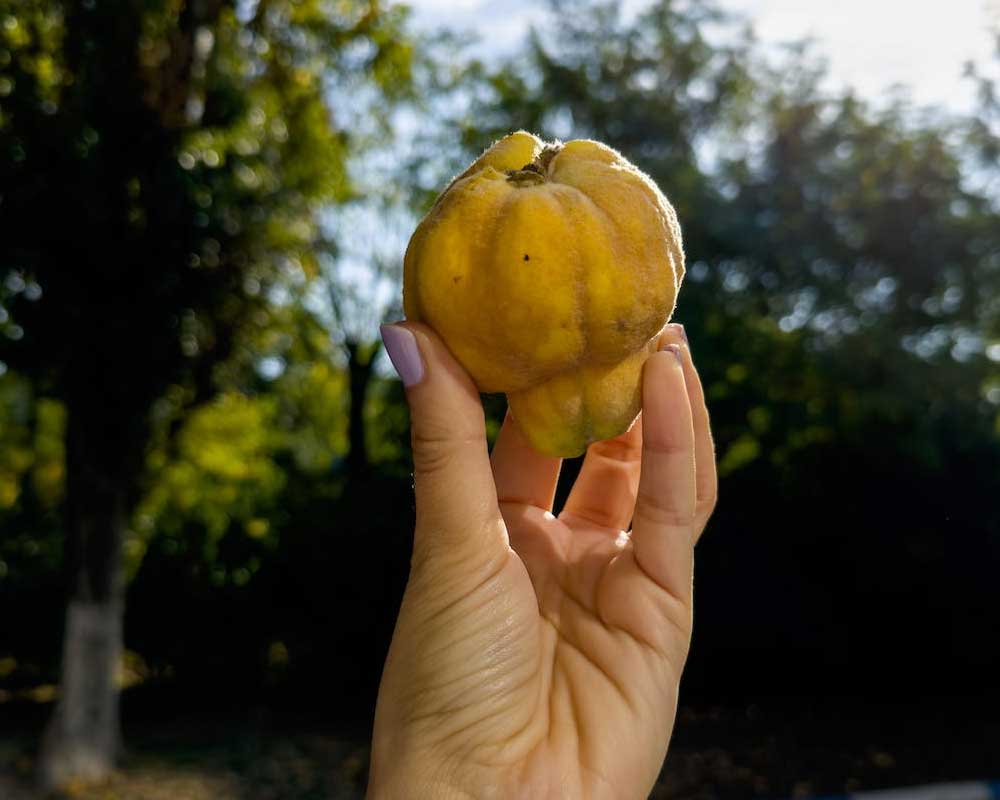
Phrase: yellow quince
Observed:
(549, 270)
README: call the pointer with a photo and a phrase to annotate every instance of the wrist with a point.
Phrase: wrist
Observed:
(409, 773)
(403, 786)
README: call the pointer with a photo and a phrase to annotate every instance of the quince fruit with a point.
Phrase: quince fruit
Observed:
(549, 270)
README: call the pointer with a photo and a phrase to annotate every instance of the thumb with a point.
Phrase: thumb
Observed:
(457, 510)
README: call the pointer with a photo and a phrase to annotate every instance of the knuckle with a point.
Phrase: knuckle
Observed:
(667, 447)
(620, 449)
(445, 551)
(434, 446)
(429, 455)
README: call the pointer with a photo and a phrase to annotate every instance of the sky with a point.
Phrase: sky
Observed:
(870, 44)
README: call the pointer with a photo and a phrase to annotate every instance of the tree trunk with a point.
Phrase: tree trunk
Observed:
(360, 361)
(83, 738)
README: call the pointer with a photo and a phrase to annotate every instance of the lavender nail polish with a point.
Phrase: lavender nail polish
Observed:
(678, 329)
(402, 348)
(675, 349)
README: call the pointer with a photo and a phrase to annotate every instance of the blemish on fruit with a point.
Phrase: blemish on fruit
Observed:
(456, 278)
(620, 325)
(526, 257)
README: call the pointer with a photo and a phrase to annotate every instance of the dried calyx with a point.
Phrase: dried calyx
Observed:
(534, 173)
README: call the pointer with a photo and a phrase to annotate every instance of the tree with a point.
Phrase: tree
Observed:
(164, 166)
(841, 304)
(362, 274)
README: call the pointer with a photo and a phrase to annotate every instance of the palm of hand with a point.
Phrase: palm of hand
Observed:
(609, 658)
(550, 668)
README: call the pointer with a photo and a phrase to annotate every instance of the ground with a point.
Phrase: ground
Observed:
(770, 749)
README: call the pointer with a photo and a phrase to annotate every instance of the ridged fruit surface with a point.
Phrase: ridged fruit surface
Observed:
(549, 271)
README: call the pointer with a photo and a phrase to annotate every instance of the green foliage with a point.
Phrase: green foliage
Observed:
(860, 230)
(164, 168)
(223, 471)
(15, 440)
(227, 466)
(841, 303)
(31, 445)
(183, 152)
(188, 245)
(387, 423)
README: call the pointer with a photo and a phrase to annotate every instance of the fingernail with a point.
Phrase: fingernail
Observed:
(680, 330)
(675, 349)
(403, 352)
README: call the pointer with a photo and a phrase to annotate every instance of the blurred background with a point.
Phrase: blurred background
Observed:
(203, 210)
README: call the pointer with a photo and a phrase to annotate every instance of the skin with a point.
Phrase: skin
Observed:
(538, 656)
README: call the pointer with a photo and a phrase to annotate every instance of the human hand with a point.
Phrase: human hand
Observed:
(538, 656)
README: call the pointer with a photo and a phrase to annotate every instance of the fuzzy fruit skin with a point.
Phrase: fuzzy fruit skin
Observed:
(549, 272)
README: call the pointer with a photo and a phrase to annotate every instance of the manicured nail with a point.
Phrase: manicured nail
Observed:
(680, 330)
(675, 349)
(403, 352)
